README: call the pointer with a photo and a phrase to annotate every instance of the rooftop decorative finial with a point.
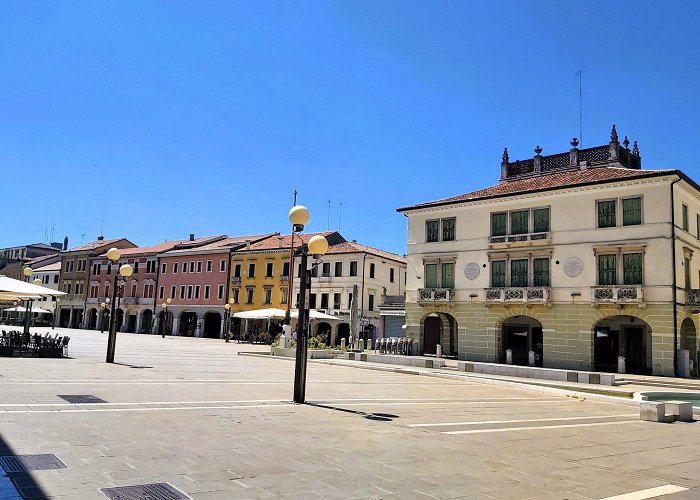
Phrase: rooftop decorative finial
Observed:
(538, 150)
(574, 142)
(613, 135)
(635, 149)
(505, 158)
(626, 142)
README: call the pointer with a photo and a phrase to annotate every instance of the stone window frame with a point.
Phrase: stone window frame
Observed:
(530, 256)
(530, 220)
(439, 261)
(619, 212)
(619, 251)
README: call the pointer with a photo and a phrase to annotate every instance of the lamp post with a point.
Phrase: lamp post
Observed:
(125, 271)
(227, 319)
(164, 326)
(104, 305)
(55, 310)
(317, 245)
(27, 271)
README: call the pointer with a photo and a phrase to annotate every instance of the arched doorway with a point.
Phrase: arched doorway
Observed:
(146, 321)
(92, 319)
(104, 320)
(626, 336)
(521, 334)
(440, 328)
(688, 341)
(188, 324)
(343, 333)
(130, 322)
(164, 323)
(212, 325)
(324, 329)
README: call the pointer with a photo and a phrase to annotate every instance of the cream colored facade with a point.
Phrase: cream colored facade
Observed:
(575, 313)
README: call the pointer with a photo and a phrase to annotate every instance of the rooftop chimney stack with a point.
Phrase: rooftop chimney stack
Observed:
(65, 243)
(191, 236)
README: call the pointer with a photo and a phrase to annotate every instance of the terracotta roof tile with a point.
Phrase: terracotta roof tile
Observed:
(94, 244)
(354, 247)
(276, 242)
(221, 243)
(546, 182)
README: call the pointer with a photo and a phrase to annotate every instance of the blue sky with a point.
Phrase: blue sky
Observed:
(167, 118)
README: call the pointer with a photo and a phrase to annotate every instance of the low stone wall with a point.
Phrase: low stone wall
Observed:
(394, 359)
(310, 354)
(536, 372)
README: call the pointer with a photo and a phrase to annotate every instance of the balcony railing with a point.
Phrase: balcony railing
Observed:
(692, 298)
(284, 278)
(539, 294)
(618, 294)
(515, 238)
(436, 294)
(236, 279)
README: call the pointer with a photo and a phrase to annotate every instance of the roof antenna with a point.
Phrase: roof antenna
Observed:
(82, 236)
(340, 216)
(295, 198)
(328, 225)
(580, 106)
(102, 228)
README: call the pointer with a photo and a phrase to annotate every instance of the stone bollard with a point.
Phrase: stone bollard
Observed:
(509, 357)
(621, 364)
(361, 345)
(683, 360)
(438, 351)
(342, 343)
(369, 344)
(531, 358)
(283, 341)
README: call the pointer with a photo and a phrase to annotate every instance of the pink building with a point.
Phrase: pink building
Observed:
(196, 280)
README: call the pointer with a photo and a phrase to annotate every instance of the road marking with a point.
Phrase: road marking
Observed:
(98, 409)
(442, 424)
(33, 405)
(541, 427)
(666, 489)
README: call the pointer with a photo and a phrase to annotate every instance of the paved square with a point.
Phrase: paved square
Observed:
(215, 424)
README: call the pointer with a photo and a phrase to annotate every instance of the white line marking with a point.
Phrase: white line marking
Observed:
(34, 405)
(649, 493)
(85, 410)
(512, 429)
(520, 421)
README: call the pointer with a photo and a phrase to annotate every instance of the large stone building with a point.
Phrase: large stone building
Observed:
(572, 261)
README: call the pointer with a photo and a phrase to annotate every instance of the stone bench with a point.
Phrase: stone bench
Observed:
(666, 411)
(395, 359)
(536, 372)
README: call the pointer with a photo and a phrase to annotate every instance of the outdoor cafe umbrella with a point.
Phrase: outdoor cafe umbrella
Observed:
(19, 309)
(12, 289)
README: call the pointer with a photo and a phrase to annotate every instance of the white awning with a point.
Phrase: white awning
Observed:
(12, 289)
(261, 314)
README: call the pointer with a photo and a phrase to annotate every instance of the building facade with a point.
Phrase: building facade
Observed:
(579, 260)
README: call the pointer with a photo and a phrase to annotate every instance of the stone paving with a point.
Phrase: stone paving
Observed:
(215, 424)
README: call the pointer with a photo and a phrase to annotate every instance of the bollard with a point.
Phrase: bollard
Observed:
(509, 357)
(342, 343)
(283, 341)
(369, 344)
(621, 364)
(683, 360)
(531, 358)
(361, 345)
(438, 351)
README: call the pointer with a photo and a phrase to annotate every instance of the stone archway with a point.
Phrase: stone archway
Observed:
(325, 330)
(439, 328)
(92, 319)
(187, 323)
(343, 332)
(688, 342)
(146, 321)
(622, 336)
(212, 325)
(522, 334)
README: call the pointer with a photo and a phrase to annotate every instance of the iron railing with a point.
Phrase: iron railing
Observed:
(538, 294)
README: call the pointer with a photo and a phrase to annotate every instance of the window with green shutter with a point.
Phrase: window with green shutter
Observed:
(499, 224)
(431, 276)
(632, 268)
(607, 272)
(686, 266)
(541, 272)
(518, 272)
(685, 217)
(498, 273)
(431, 230)
(631, 211)
(448, 275)
(448, 229)
(606, 214)
(519, 222)
(540, 220)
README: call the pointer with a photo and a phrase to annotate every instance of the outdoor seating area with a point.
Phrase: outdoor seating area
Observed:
(17, 343)
(394, 345)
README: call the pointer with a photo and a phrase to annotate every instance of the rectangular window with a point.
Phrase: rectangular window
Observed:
(207, 292)
(237, 271)
(55, 278)
(284, 295)
(236, 295)
(391, 275)
(349, 300)
(336, 301)
(133, 289)
(541, 272)
(519, 222)
(371, 270)
(312, 301)
(189, 292)
(175, 266)
(685, 217)
(540, 220)
(199, 266)
(172, 291)
(209, 264)
(686, 268)
(353, 268)
(607, 270)
(632, 269)
(448, 275)
(631, 211)
(431, 230)
(249, 295)
(268, 295)
(251, 270)
(192, 266)
(518, 272)
(448, 229)
(324, 301)
(326, 271)
(285, 269)
(196, 292)
(183, 290)
(314, 271)
(220, 292)
(136, 267)
(222, 265)
(338, 269)
(184, 267)
(163, 267)
(697, 226)
(371, 302)
(431, 276)
(268, 270)
(606, 214)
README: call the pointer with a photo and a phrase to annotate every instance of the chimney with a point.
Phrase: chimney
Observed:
(100, 238)
(191, 236)
(247, 244)
(65, 243)
(279, 241)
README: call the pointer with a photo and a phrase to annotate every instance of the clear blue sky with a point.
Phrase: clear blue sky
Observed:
(166, 118)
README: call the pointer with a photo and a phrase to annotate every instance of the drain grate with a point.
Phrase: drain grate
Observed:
(24, 463)
(81, 398)
(155, 491)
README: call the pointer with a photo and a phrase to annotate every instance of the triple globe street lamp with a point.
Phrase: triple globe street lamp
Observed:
(164, 306)
(317, 245)
(125, 271)
(227, 319)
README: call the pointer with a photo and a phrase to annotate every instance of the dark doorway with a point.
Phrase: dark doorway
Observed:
(119, 319)
(64, 318)
(607, 349)
(212, 325)
(343, 333)
(146, 321)
(92, 319)
(515, 339)
(432, 330)
(634, 350)
(324, 330)
(188, 324)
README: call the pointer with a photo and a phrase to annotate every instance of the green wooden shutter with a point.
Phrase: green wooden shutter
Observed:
(498, 224)
(498, 273)
(607, 273)
(631, 211)
(540, 221)
(632, 268)
(541, 271)
(518, 221)
(518, 272)
(448, 229)
(606, 214)
(448, 276)
(431, 274)
(431, 229)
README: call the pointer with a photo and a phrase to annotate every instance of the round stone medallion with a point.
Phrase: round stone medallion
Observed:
(573, 266)
(471, 271)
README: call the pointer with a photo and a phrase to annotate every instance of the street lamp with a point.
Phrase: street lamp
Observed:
(317, 246)
(227, 319)
(125, 271)
(164, 326)
(104, 305)
(27, 271)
